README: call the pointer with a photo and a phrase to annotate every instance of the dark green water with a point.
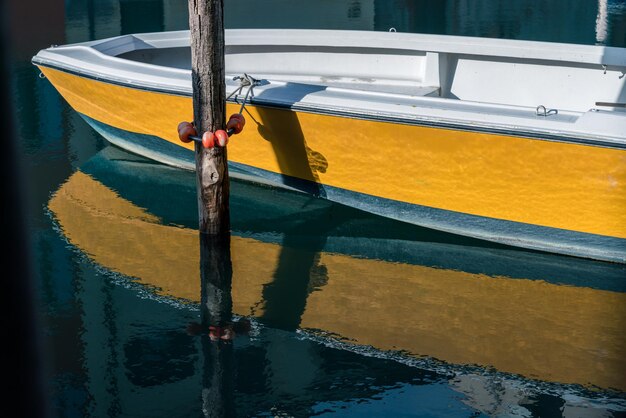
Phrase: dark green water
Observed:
(325, 287)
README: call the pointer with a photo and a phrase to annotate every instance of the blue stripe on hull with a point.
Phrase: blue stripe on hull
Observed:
(517, 234)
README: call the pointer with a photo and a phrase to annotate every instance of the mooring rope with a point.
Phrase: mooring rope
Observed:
(244, 80)
(187, 131)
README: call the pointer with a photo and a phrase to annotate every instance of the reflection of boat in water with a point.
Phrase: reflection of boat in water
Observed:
(562, 321)
(515, 142)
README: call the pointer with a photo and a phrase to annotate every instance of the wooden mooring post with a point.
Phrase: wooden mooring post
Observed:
(206, 25)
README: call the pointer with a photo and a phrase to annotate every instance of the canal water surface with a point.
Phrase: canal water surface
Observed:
(339, 313)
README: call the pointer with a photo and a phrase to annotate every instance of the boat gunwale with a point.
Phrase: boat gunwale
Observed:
(458, 125)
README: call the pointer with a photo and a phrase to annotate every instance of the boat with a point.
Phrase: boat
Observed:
(543, 316)
(515, 142)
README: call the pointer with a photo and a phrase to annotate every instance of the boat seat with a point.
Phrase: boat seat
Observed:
(409, 90)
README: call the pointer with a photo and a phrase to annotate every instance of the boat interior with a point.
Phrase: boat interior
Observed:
(521, 80)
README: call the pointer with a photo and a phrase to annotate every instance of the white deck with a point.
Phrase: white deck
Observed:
(466, 83)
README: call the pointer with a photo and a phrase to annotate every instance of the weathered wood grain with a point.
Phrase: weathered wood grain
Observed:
(206, 23)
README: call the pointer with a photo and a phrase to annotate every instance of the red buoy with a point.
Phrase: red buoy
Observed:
(225, 333)
(185, 130)
(215, 332)
(221, 138)
(236, 122)
(208, 139)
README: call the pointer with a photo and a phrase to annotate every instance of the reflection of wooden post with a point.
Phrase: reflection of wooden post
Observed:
(216, 273)
(216, 308)
(218, 391)
(206, 25)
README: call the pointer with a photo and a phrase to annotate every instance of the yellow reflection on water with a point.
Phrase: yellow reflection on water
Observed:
(529, 327)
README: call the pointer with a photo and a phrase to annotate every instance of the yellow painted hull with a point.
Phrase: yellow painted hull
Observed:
(533, 328)
(554, 196)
